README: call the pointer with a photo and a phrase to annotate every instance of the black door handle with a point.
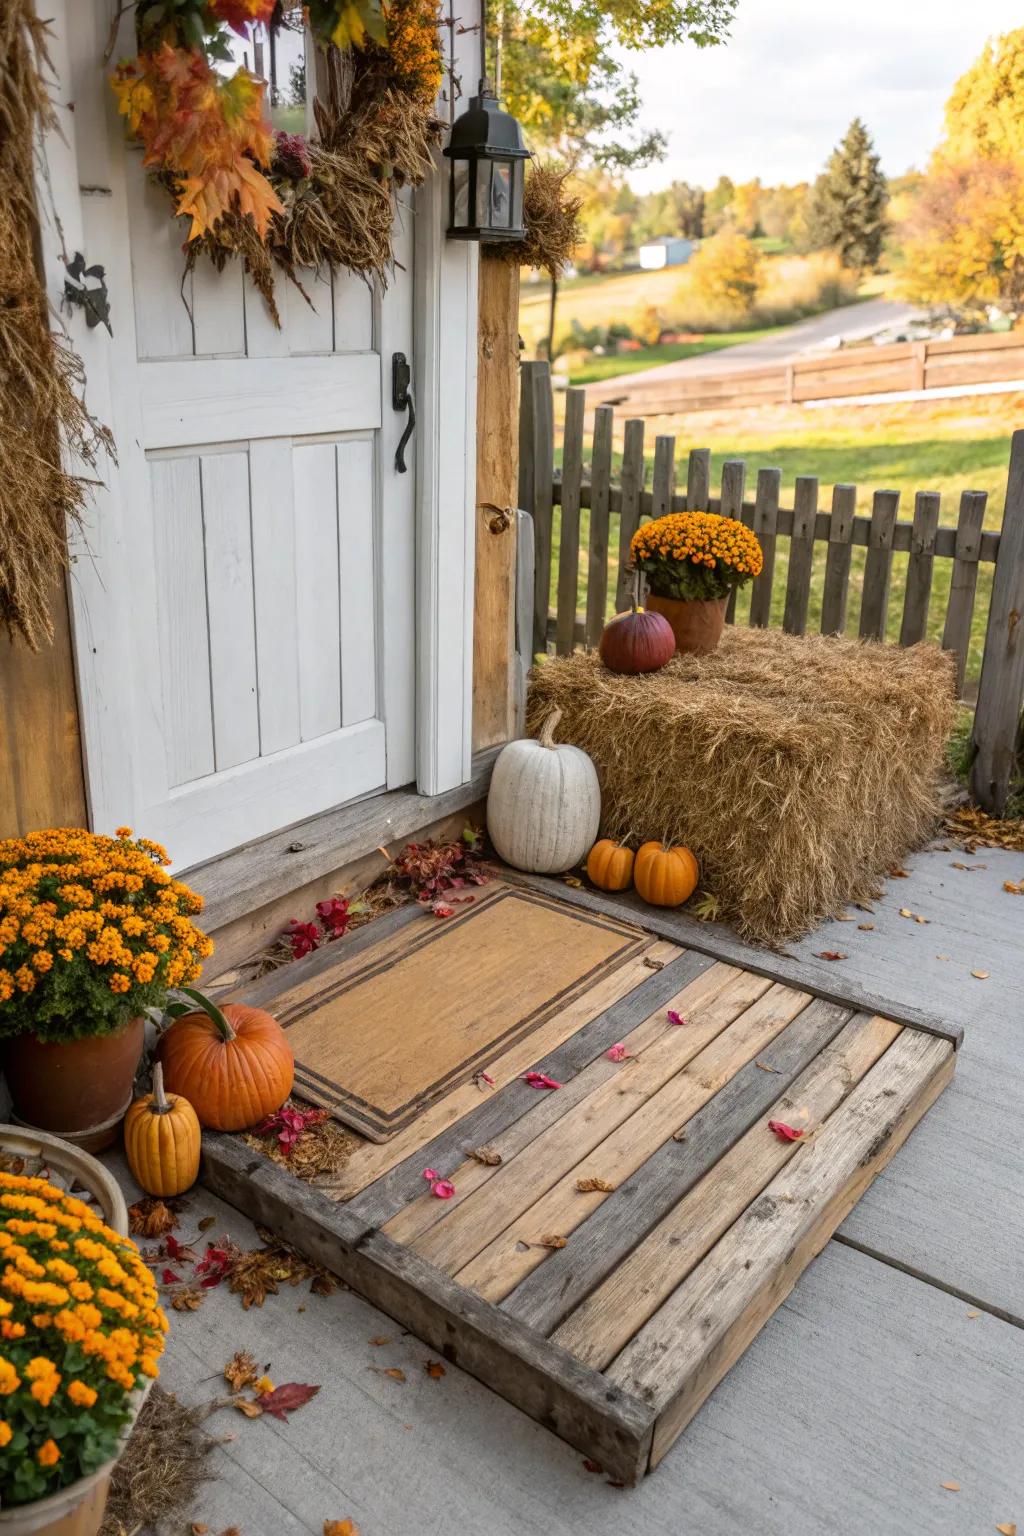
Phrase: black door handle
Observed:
(401, 400)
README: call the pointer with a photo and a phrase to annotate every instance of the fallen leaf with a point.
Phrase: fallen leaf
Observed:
(653, 965)
(552, 1240)
(832, 954)
(974, 1313)
(434, 1369)
(217, 1263)
(766, 1068)
(618, 1052)
(206, 1223)
(864, 906)
(942, 957)
(951, 1487)
(241, 1370)
(866, 927)
(592, 1466)
(919, 919)
(380, 1339)
(286, 1398)
(1014, 887)
(489, 1156)
(572, 880)
(340, 1528)
(844, 917)
(249, 1407)
(679, 1135)
(150, 1217)
(980, 975)
(905, 912)
(168, 1277)
(484, 1078)
(188, 1299)
(442, 1189)
(394, 1371)
(785, 1132)
(899, 874)
(1007, 1528)
(594, 1186)
(198, 1529)
(674, 1017)
(540, 1080)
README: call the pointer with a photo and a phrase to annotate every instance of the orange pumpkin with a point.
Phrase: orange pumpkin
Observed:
(161, 1141)
(234, 1065)
(610, 865)
(666, 877)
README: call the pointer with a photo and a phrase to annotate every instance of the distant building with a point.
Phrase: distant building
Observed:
(666, 251)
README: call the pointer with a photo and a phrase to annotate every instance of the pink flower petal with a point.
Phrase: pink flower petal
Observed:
(617, 1052)
(540, 1080)
(487, 1078)
(673, 1017)
(443, 1189)
(431, 1175)
(785, 1132)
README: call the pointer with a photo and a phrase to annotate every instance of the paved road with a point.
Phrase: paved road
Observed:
(850, 323)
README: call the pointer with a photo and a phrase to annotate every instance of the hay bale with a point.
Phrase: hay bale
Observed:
(798, 769)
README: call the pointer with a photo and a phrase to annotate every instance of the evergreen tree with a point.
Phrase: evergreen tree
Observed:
(850, 197)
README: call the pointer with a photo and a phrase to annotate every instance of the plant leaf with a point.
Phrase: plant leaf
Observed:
(286, 1398)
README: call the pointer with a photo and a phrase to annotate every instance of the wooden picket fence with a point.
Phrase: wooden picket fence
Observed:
(562, 627)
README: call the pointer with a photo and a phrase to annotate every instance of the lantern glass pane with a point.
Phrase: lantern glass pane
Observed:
(483, 194)
(516, 220)
(460, 199)
(501, 195)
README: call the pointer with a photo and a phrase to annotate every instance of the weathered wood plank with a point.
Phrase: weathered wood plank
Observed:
(801, 555)
(625, 1217)
(874, 607)
(918, 593)
(837, 561)
(569, 528)
(765, 519)
(268, 1193)
(536, 476)
(632, 485)
(370, 1161)
(716, 939)
(956, 634)
(517, 1103)
(698, 479)
(604, 1323)
(734, 479)
(506, 1261)
(1001, 687)
(600, 501)
(545, 1382)
(664, 478)
(712, 1004)
(677, 1359)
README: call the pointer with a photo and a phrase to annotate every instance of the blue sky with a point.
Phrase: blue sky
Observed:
(774, 100)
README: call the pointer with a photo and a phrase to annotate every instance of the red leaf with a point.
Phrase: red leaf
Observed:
(785, 1132)
(831, 954)
(286, 1398)
(168, 1277)
(540, 1080)
(674, 1017)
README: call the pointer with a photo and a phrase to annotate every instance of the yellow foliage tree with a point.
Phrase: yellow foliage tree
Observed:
(726, 274)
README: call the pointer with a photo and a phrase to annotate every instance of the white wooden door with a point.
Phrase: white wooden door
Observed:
(247, 602)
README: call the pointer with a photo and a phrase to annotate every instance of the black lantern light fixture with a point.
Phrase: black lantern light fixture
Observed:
(487, 163)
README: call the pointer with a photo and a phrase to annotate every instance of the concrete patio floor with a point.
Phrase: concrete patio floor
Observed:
(896, 1365)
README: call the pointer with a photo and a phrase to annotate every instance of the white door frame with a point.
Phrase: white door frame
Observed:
(81, 188)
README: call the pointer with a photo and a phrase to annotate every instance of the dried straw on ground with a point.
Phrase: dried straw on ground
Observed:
(161, 1467)
(799, 770)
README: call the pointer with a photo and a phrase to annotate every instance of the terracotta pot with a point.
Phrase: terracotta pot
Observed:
(78, 1089)
(697, 626)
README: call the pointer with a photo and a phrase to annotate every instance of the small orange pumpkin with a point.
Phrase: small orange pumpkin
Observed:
(610, 865)
(665, 877)
(234, 1065)
(161, 1141)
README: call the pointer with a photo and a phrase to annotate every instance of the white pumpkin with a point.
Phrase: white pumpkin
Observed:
(544, 804)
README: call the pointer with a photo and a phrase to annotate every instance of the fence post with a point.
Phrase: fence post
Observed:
(629, 518)
(525, 560)
(1001, 688)
(536, 484)
(956, 633)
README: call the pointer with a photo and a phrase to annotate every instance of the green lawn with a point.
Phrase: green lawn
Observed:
(948, 446)
(616, 364)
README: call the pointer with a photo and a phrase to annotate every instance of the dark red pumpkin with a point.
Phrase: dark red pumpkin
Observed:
(637, 641)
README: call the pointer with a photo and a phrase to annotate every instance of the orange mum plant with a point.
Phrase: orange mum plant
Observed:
(80, 1330)
(696, 556)
(93, 930)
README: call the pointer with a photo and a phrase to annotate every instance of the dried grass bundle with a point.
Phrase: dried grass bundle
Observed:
(41, 378)
(160, 1469)
(551, 215)
(799, 770)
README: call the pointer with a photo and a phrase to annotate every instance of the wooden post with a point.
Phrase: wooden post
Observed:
(633, 472)
(766, 516)
(664, 479)
(536, 484)
(525, 556)
(600, 509)
(698, 480)
(956, 635)
(874, 605)
(837, 561)
(1001, 689)
(801, 555)
(919, 569)
(734, 479)
(496, 483)
(569, 522)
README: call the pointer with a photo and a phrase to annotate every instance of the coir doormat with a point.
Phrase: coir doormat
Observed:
(379, 1036)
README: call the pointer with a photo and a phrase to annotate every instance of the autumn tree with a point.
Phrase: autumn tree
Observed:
(725, 274)
(849, 202)
(962, 241)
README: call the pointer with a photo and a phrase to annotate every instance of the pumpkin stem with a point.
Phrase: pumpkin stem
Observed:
(547, 730)
(209, 1007)
(161, 1104)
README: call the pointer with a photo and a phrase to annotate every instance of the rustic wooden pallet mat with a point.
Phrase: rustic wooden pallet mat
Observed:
(614, 1244)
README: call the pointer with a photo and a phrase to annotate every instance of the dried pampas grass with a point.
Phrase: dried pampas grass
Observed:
(551, 216)
(799, 770)
(160, 1468)
(41, 378)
